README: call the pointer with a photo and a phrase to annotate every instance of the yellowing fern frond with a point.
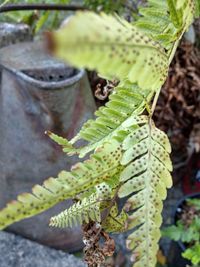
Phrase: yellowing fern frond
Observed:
(125, 101)
(100, 167)
(165, 21)
(182, 13)
(82, 211)
(113, 47)
(146, 176)
(156, 23)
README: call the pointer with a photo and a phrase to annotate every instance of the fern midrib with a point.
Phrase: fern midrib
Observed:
(114, 44)
(147, 198)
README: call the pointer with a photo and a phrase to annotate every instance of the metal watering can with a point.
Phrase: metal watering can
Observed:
(38, 93)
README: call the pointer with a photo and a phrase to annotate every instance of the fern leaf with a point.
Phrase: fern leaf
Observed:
(104, 190)
(43, 18)
(100, 167)
(104, 45)
(197, 7)
(166, 21)
(182, 13)
(89, 208)
(156, 23)
(61, 141)
(116, 221)
(125, 101)
(82, 211)
(147, 175)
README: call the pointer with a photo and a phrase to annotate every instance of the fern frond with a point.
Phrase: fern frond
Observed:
(112, 46)
(182, 13)
(116, 221)
(125, 101)
(102, 165)
(66, 145)
(165, 21)
(89, 208)
(156, 23)
(147, 175)
(82, 211)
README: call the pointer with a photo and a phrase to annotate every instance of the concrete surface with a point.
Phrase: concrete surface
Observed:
(16, 251)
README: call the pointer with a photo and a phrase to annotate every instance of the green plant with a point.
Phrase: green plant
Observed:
(37, 20)
(44, 19)
(129, 155)
(187, 231)
(106, 6)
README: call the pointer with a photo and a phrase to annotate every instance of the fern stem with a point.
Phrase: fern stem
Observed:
(112, 202)
(173, 51)
(155, 100)
(171, 56)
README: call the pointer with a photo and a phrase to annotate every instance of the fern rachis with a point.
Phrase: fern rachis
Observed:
(130, 156)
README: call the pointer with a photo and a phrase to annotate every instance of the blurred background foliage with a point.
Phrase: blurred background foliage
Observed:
(35, 19)
(48, 20)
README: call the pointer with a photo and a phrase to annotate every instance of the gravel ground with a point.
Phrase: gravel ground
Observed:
(16, 251)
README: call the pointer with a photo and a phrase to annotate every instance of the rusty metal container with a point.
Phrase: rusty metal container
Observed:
(38, 93)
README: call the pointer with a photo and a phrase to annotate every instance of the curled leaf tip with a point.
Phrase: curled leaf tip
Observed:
(47, 132)
(49, 42)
